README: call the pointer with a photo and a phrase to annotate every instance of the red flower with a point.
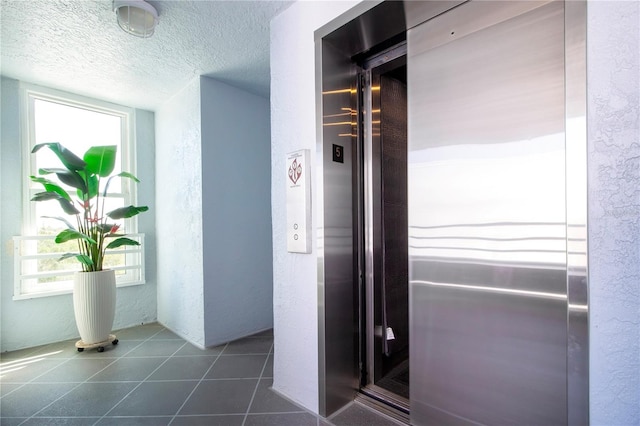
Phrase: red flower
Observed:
(95, 218)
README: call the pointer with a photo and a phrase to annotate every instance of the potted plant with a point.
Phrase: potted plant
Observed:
(95, 231)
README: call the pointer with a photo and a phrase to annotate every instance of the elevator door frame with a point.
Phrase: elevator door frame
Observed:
(355, 32)
(370, 225)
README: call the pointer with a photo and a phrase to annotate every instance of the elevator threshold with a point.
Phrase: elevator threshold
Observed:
(385, 402)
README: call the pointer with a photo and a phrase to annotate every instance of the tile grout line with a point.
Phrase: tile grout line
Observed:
(77, 384)
(81, 383)
(149, 375)
(198, 384)
(33, 354)
(111, 358)
(255, 390)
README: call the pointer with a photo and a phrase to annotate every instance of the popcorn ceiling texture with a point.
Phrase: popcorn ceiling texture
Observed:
(77, 46)
(613, 74)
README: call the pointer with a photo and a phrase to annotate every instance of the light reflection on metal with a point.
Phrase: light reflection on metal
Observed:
(341, 123)
(527, 293)
(578, 308)
(482, 128)
(339, 92)
(350, 111)
(338, 115)
(351, 91)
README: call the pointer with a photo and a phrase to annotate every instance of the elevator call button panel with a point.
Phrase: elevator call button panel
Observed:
(298, 202)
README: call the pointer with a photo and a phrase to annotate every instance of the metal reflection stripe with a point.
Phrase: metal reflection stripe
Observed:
(488, 250)
(488, 224)
(578, 308)
(339, 91)
(341, 123)
(493, 238)
(342, 114)
(537, 294)
(491, 262)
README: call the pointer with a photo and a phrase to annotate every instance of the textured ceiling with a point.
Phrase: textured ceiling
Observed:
(77, 46)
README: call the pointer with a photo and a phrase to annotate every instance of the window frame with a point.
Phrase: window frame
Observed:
(29, 93)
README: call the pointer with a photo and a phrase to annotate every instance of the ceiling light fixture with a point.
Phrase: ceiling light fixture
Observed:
(137, 17)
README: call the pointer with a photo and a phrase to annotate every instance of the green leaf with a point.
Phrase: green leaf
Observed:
(121, 174)
(66, 205)
(69, 177)
(102, 228)
(92, 188)
(128, 175)
(82, 258)
(101, 160)
(123, 241)
(126, 212)
(72, 234)
(61, 219)
(68, 158)
(51, 186)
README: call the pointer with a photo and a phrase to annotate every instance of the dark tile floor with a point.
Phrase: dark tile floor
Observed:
(153, 377)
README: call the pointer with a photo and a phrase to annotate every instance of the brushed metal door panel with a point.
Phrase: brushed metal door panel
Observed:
(487, 357)
(338, 368)
(487, 217)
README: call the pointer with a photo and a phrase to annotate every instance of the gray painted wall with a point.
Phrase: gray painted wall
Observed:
(32, 322)
(236, 212)
(213, 216)
(613, 83)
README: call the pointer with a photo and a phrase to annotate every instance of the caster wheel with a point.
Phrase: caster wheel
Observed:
(115, 342)
(80, 349)
(100, 349)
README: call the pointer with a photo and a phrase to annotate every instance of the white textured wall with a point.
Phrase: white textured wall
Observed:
(145, 171)
(613, 49)
(236, 211)
(293, 127)
(179, 214)
(27, 323)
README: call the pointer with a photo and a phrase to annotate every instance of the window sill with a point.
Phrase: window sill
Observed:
(69, 291)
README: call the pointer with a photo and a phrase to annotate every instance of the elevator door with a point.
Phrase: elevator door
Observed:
(487, 220)
(387, 286)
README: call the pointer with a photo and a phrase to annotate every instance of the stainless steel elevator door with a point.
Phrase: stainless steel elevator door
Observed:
(487, 218)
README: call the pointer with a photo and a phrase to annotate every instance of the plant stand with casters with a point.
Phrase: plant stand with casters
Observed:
(100, 345)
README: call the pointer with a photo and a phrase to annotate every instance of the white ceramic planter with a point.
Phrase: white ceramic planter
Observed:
(94, 304)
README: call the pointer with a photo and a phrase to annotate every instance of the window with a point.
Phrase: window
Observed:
(77, 123)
